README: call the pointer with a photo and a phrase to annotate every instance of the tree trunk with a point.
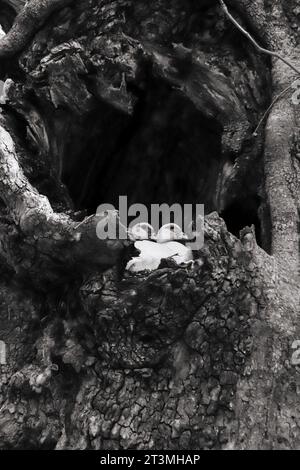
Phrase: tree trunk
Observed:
(158, 101)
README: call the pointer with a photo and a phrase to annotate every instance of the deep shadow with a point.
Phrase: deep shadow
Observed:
(242, 214)
(167, 152)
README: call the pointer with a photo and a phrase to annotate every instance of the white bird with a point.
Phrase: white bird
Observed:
(141, 231)
(152, 253)
(170, 232)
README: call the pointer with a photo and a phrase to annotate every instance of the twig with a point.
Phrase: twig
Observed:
(84, 221)
(261, 49)
(270, 107)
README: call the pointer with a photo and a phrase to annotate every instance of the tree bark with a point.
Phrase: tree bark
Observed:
(160, 102)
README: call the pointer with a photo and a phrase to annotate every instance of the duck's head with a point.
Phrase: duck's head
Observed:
(169, 232)
(142, 231)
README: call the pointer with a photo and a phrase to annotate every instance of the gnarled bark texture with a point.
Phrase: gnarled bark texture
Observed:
(158, 101)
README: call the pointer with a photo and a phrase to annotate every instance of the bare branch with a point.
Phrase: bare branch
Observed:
(277, 98)
(28, 21)
(258, 47)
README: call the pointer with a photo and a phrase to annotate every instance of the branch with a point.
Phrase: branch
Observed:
(251, 39)
(275, 100)
(27, 22)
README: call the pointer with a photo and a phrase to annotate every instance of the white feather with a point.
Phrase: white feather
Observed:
(152, 253)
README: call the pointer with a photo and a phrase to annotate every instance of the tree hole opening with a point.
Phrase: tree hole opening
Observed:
(166, 152)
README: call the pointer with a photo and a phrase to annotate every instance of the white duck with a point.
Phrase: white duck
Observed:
(151, 253)
(170, 232)
(141, 231)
